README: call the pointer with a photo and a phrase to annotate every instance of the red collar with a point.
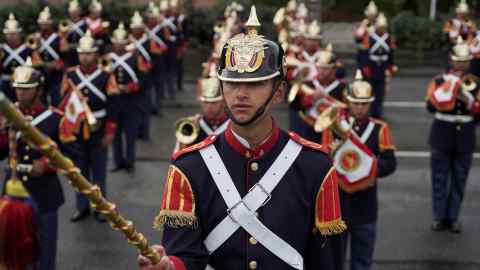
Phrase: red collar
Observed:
(88, 70)
(34, 110)
(258, 151)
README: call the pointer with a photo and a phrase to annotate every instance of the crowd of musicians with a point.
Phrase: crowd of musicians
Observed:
(88, 84)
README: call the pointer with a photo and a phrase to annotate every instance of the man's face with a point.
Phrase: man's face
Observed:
(26, 96)
(311, 45)
(213, 110)
(95, 14)
(75, 14)
(461, 66)
(243, 99)
(359, 110)
(13, 38)
(326, 73)
(118, 47)
(45, 27)
(462, 15)
(152, 20)
(137, 31)
(87, 59)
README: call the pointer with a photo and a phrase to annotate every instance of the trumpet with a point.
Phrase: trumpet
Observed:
(105, 62)
(64, 26)
(332, 118)
(187, 130)
(469, 83)
(33, 41)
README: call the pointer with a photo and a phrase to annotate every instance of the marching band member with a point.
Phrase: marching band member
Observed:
(213, 120)
(311, 97)
(14, 52)
(461, 25)
(377, 63)
(33, 175)
(204, 219)
(363, 152)
(49, 48)
(97, 26)
(453, 99)
(71, 31)
(95, 89)
(130, 69)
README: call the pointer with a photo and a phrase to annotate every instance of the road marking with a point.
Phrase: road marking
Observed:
(405, 104)
(421, 154)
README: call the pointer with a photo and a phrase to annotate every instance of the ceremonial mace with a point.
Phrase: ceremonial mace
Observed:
(77, 180)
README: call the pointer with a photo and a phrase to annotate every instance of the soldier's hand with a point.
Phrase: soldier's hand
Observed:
(164, 264)
(107, 139)
(38, 168)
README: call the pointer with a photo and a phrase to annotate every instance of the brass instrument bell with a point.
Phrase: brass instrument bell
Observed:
(187, 130)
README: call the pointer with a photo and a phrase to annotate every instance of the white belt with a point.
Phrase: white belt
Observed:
(379, 58)
(100, 113)
(452, 118)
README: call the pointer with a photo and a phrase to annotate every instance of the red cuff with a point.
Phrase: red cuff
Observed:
(59, 64)
(305, 100)
(178, 263)
(47, 166)
(3, 140)
(475, 108)
(367, 71)
(133, 87)
(110, 127)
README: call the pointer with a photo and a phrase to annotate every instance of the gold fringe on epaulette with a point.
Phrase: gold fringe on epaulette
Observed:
(337, 226)
(174, 219)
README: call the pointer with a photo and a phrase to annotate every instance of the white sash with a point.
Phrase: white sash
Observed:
(77, 27)
(241, 212)
(204, 126)
(141, 49)
(152, 34)
(122, 62)
(14, 54)
(46, 46)
(379, 42)
(37, 120)
(87, 82)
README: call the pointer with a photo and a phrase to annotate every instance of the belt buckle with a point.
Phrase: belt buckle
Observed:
(264, 190)
(229, 210)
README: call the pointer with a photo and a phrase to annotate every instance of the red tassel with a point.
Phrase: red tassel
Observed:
(18, 238)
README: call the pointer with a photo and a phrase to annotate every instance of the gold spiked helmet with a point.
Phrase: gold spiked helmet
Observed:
(360, 91)
(250, 57)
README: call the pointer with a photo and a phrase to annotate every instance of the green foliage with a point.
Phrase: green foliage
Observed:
(418, 33)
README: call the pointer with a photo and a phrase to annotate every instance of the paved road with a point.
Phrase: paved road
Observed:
(404, 239)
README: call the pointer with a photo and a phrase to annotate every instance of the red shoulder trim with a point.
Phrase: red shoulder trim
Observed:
(209, 140)
(297, 138)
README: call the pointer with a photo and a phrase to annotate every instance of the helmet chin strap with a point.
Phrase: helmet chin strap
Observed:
(260, 111)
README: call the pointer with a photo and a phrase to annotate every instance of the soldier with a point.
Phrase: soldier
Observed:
(461, 25)
(370, 142)
(213, 120)
(96, 88)
(35, 171)
(14, 53)
(130, 69)
(312, 97)
(97, 26)
(288, 184)
(51, 57)
(453, 99)
(72, 30)
(157, 33)
(367, 25)
(143, 46)
(179, 20)
(170, 57)
(377, 64)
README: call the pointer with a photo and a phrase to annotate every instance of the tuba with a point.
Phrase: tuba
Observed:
(187, 130)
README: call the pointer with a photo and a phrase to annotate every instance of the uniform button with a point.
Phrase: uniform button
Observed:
(252, 265)
(459, 127)
(27, 147)
(25, 178)
(26, 157)
(254, 166)
(252, 240)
